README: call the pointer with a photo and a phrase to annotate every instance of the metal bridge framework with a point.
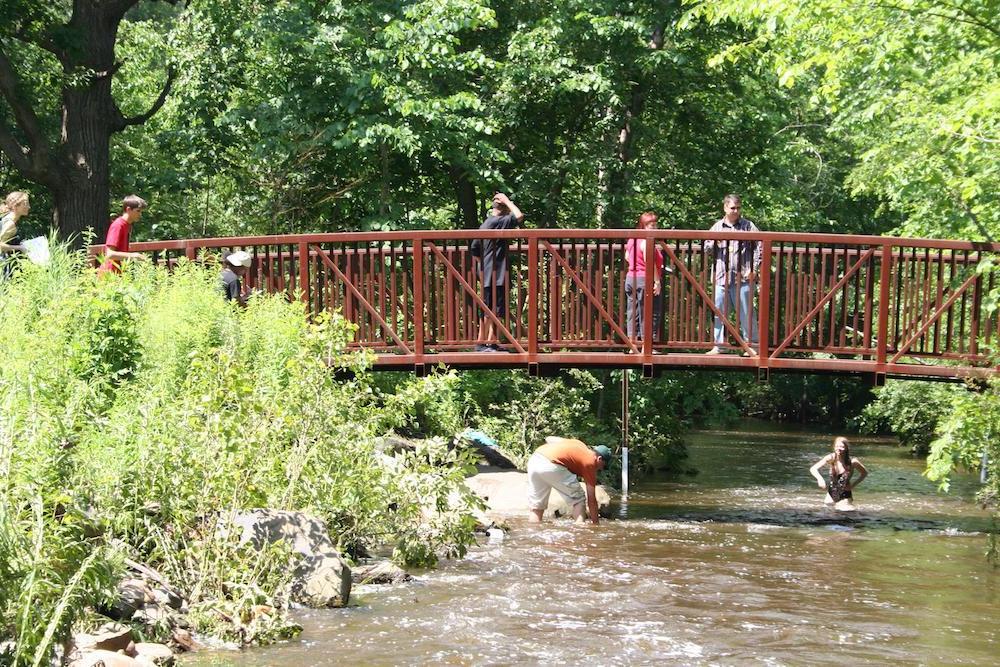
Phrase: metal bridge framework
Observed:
(824, 303)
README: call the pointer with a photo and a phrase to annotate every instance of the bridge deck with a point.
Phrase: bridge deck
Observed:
(825, 303)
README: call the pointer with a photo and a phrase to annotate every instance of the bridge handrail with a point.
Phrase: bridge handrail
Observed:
(555, 233)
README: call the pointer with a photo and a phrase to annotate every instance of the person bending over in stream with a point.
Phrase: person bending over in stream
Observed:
(842, 467)
(555, 465)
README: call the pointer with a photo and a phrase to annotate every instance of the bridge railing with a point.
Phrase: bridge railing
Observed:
(885, 301)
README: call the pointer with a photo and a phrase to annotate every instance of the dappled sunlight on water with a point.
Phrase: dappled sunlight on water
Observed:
(739, 563)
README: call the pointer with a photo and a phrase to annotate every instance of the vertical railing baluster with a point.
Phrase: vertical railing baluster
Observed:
(534, 303)
(418, 301)
(304, 272)
(764, 301)
(883, 308)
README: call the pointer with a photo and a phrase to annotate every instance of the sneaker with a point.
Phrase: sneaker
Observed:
(714, 350)
(482, 348)
(750, 353)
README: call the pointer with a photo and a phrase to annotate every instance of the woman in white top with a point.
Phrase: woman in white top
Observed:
(13, 208)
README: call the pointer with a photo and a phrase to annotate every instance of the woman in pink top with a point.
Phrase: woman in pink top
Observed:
(635, 280)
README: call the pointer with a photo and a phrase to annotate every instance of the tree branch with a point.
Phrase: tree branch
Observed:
(42, 41)
(26, 120)
(14, 151)
(120, 7)
(24, 115)
(139, 119)
(971, 20)
(974, 18)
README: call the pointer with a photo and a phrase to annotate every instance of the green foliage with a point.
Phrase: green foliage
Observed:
(519, 411)
(911, 410)
(144, 407)
(801, 398)
(910, 86)
(434, 405)
(968, 431)
(294, 116)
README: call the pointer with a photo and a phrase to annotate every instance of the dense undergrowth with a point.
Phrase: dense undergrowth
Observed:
(138, 410)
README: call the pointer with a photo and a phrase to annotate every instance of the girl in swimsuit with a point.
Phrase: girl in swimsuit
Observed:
(842, 466)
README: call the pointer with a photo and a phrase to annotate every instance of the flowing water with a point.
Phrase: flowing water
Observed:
(739, 563)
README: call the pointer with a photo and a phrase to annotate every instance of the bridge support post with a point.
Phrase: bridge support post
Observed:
(763, 374)
(625, 380)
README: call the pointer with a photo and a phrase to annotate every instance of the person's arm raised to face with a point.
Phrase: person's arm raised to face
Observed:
(511, 206)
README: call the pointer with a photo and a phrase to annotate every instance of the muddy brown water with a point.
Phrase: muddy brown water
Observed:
(738, 564)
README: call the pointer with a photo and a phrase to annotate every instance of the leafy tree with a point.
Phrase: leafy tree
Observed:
(57, 64)
(910, 85)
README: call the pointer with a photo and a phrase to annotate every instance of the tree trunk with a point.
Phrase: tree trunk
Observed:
(620, 175)
(83, 192)
(75, 166)
(465, 195)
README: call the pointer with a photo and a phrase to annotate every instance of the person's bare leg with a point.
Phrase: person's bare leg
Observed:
(535, 516)
(491, 333)
(483, 331)
(578, 514)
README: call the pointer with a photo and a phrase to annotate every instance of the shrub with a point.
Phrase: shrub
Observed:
(138, 407)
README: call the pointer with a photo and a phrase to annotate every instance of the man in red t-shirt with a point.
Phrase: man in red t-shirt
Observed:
(116, 245)
(556, 465)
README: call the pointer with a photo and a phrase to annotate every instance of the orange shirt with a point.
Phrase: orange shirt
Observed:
(573, 455)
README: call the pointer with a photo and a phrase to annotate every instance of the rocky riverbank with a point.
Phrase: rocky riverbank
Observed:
(147, 606)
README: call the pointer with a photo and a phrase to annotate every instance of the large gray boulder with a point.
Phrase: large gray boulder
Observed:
(322, 578)
(506, 493)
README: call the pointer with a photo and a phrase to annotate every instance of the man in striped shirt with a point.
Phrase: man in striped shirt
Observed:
(736, 264)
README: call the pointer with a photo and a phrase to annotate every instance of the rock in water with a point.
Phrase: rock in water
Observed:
(505, 493)
(384, 572)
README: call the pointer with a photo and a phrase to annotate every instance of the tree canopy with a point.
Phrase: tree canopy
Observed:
(319, 116)
(910, 86)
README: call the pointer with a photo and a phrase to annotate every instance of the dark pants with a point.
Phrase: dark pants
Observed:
(495, 297)
(634, 312)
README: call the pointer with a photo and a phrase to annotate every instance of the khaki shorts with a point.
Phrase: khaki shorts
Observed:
(543, 476)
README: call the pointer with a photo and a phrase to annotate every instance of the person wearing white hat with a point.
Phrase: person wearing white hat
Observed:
(232, 276)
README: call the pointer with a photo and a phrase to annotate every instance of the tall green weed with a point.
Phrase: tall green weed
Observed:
(139, 408)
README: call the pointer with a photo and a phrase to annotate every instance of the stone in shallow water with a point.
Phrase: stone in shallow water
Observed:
(154, 654)
(384, 572)
(505, 493)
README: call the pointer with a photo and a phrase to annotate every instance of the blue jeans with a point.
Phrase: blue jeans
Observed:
(725, 300)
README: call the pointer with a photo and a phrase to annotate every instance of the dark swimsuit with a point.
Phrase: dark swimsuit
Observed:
(837, 486)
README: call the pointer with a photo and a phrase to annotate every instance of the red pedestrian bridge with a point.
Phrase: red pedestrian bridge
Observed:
(823, 303)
